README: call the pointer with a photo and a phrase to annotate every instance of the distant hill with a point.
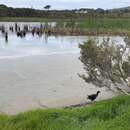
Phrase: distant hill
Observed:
(75, 13)
(123, 9)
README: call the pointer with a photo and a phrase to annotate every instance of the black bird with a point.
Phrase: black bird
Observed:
(93, 96)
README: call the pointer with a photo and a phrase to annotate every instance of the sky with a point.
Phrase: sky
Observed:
(67, 4)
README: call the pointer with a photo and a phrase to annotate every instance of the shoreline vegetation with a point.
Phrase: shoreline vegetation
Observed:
(110, 114)
(87, 26)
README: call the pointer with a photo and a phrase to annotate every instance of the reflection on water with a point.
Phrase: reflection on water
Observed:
(39, 46)
(25, 39)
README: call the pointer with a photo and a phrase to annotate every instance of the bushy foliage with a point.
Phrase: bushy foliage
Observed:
(106, 63)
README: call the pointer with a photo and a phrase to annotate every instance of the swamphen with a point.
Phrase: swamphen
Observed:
(93, 96)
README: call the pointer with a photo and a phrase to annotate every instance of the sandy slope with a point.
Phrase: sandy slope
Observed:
(48, 80)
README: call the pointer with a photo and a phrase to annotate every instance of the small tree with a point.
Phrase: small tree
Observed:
(47, 7)
(107, 63)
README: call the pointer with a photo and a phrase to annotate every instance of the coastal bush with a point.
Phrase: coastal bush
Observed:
(106, 63)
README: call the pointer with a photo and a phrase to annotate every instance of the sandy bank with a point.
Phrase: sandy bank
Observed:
(51, 80)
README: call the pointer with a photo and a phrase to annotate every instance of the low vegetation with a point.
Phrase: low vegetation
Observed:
(96, 26)
(112, 114)
(86, 26)
(81, 26)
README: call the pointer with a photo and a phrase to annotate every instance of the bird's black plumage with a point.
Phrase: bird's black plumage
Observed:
(93, 96)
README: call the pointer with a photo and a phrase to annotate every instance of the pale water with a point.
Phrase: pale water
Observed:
(43, 45)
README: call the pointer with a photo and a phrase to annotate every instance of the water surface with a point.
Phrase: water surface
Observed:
(39, 45)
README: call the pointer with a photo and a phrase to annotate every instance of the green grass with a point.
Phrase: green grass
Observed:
(101, 23)
(117, 25)
(112, 114)
(112, 23)
(21, 19)
(32, 19)
(114, 26)
(88, 23)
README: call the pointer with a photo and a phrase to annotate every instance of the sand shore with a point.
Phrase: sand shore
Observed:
(51, 80)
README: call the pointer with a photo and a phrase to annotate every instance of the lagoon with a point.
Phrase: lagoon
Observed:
(43, 70)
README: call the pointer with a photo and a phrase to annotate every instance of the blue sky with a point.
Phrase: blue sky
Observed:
(67, 4)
